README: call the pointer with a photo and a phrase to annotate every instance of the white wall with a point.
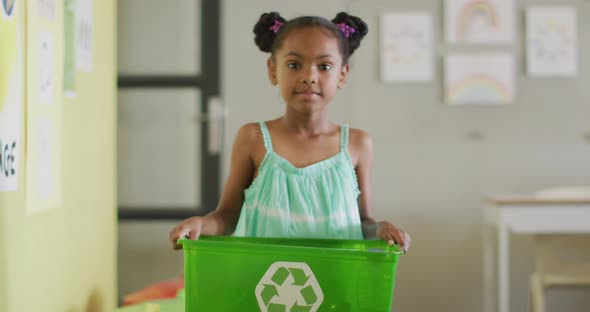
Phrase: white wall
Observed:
(433, 162)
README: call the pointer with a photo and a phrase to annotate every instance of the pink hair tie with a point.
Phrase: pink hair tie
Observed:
(276, 26)
(346, 30)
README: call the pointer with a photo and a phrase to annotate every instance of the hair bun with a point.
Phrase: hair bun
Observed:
(264, 35)
(360, 29)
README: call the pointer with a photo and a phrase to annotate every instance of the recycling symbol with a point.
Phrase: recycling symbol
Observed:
(289, 287)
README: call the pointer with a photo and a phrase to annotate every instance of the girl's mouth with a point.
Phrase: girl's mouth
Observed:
(307, 92)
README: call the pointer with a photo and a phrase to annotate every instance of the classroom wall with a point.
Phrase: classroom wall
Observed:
(3, 280)
(6, 199)
(64, 259)
(434, 163)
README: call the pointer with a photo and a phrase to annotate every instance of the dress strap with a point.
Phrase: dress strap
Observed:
(265, 136)
(344, 138)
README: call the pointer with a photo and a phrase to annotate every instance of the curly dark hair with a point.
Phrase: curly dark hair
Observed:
(272, 29)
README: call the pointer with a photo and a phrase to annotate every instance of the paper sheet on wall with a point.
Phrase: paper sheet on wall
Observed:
(480, 21)
(406, 47)
(479, 78)
(552, 41)
(44, 110)
(46, 74)
(84, 34)
(69, 48)
(11, 93)
(46, 9)
(43, 157)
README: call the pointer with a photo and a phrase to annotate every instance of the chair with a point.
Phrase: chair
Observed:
(560, 260)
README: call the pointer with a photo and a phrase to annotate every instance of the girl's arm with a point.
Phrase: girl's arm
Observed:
(361, 146)
(223, 220)
(362, 153)
(240, 177)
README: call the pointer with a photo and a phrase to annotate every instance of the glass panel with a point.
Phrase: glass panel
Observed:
(159, 148)
(159, 37)
(145, 256)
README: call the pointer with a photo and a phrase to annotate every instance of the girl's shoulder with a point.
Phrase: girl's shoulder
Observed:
(250, 141)
(360, 145)
(359, 139)
(250, 131)
(250, 136)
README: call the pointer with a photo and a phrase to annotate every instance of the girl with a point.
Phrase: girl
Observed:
(300, 175)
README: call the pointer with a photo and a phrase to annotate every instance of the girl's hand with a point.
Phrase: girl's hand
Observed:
(190, 228)
(392, 235)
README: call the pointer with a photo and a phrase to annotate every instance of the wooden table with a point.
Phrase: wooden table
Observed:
(526, 215)
(165, 305)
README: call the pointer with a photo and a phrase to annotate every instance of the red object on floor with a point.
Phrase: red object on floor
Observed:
(160, 290)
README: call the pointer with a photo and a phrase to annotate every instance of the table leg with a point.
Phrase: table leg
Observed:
(488, 267)
(503, 269)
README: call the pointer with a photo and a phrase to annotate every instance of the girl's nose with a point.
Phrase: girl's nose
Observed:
(309, 76)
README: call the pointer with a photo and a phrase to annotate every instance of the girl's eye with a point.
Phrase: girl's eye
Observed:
(325, 67)
(293, 65)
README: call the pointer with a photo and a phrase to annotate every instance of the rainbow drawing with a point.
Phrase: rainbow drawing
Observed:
(475, 8)
(479, 88)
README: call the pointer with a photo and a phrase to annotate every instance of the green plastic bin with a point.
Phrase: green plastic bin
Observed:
(225, 273)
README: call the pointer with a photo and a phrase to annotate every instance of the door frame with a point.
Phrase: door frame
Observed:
(209, 83)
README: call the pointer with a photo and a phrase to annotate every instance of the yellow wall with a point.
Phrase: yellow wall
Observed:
(64, 259)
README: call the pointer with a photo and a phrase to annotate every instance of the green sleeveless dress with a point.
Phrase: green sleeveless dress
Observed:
(317, 201)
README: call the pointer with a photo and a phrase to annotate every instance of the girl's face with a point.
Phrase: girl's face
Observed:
(308, 69)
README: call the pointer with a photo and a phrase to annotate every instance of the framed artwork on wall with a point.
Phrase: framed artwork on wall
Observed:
(552, 41)
(482, 78)
(406, 47)
(480, 21)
